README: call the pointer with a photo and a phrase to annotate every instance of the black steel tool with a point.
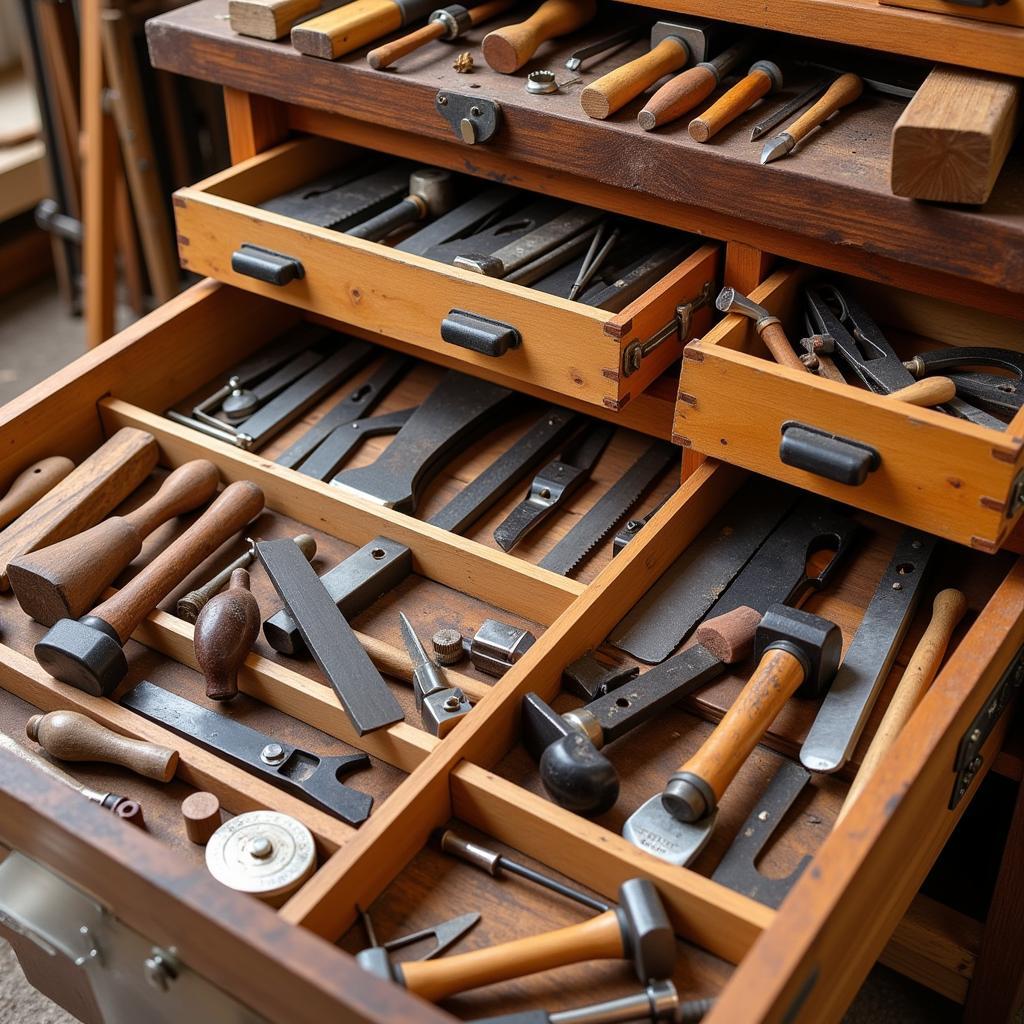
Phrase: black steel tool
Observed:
(353, 585)
(310, 777)
(454, 415)
(445, 934)
(845, 709)
(554, 485)
(574, 771)
(589, 678)
(479, 496)
(632, 527)
(466, 218)
(601, 517)
(993, 391)
(354, 407)
(679, 599)
(360, 688)
(440, 705)
(335, 450)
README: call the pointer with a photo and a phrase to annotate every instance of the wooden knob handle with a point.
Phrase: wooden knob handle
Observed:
(386, 55)
(774, 337)
(845, 89)
(947, 611)
(929, 392)
(201, 814)
(236, 505)
(73, 737)
(730, 637)
(184, 489)
(225, 631)
(507, 49)
(31, 484)
(677, 96)
(739, 98)
(614, 90)
(600, 938)
(777, 677)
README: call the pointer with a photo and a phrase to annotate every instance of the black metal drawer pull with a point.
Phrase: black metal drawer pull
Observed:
(266, 265)
(479, 333)
(827, 455)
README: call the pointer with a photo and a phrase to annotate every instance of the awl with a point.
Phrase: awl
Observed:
(843, 91)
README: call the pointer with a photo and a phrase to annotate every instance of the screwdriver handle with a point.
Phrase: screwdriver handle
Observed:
(927, 393)
(384, 56)
(183, 490)
(764, 77)
(31, 484)
(613, 91)
(844, 90)
(507, 49)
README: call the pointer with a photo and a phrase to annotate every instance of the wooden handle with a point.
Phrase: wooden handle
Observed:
(267, 19)
(929, 392)
(777, 677)
(236, 505)
(31, 484)
(73, 737)
(774, 337)
(600, 938)
(225, 631)
(677, 96)
(386, 55)
(845, 89)
(507, 49)
(614, 90)
(739, 98)
(947, 611)
(335, 33)
(186, 488)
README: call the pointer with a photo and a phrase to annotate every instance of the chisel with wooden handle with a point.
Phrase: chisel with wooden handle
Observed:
(763, 78)
(507, 49)
(445, 23)
(843, 91)
(347, 28)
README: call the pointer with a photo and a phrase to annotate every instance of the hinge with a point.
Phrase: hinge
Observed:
(1013, 506)
(678, 327)
(969, 758)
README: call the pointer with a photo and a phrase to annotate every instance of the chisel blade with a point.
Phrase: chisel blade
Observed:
(360, 687)
(653, 829)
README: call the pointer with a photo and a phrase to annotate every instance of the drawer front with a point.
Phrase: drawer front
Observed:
(562, 347)
(1009, 12)
(917, 466)
(475, 772)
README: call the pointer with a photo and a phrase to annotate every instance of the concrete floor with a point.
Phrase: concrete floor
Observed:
(37, 337)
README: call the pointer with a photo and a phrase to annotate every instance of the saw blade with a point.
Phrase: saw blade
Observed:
(601, 518)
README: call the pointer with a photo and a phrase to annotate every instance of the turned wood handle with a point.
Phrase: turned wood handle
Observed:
(600, 938)
(777, 677)
(225, 631)
(739, 98)
(31, 484)
(947, 611)
(507, 49)
(614, 90)
(845, 89)
(774, 337)
(336, 32)
(236, 505)
(929, 392)
(677, 96)
(386, 55)
(183, 490)
(73, 737)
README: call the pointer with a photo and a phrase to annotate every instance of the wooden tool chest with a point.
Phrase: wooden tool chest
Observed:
(161, 931)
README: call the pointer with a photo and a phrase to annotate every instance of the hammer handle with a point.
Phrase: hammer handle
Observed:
(236, 505)
(947, 611)
(600, 938)
(508, 48)
(774, 337)
(929, 392)
(334, 33)
(678, 96)
(614, 90)
(31, 484)
(777, 677)
(845, 89)
(740, 98)
(183, 490)
(386, 55)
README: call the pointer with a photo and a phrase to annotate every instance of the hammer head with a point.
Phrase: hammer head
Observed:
(697, 33)
(84, 654)
(815, 641)
(646, 933)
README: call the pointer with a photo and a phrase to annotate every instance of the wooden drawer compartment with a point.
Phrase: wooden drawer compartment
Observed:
(730, 946)
(953, 478)
(567, 348)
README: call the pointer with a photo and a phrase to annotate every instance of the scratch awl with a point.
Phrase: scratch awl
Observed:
(844, 90)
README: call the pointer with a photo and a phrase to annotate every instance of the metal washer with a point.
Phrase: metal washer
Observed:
(263, 853)
(541, 82)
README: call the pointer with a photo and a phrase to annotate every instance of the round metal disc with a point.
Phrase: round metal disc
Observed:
(541, 82)
(263, 853)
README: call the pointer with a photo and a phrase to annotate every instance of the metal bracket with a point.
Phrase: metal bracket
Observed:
(473, 118)
(968, 753)
(679, 327)
(1013, 506)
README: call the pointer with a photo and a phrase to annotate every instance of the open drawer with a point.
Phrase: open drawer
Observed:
(565, 347)
(923, 467)
(729, 946)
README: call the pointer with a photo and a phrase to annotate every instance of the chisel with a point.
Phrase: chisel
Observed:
(843, 91)
(344, 29)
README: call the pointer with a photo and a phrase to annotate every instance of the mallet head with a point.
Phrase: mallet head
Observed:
(814, 641)
(578, 776)
(646, 933)
(85, 653)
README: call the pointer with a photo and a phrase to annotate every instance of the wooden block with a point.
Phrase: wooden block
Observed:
(201, 813)
(267, 19)
(950, 143)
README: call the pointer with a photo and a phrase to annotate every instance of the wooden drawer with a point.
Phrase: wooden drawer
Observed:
(567, 348)
(277, 962)
(956, 479)
(1009, 12)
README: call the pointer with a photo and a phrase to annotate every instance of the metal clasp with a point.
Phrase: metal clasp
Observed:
(678, 327)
